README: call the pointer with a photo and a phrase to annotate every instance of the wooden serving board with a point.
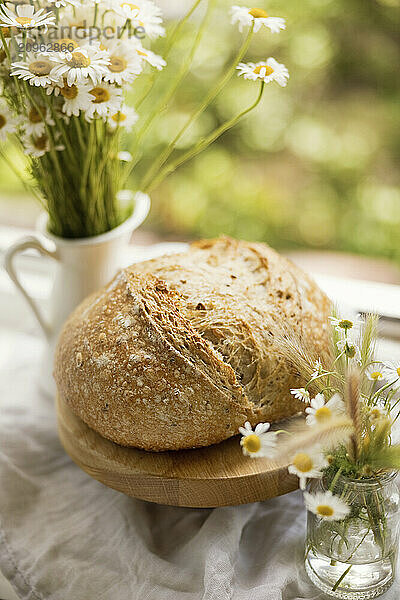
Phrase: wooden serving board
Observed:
(218, 475)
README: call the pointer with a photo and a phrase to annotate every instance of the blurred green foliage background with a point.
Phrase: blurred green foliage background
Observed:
(315, 164)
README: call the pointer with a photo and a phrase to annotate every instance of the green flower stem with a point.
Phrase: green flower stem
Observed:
(369, 401)
(339, 581)
(79, 132)
(339, 356)
(358, 545)
(375, 517)
(173, 37)
(382, 389)
(201, 145)
(61, 127)
(335, 479)
(53, 152)
(5, 45)
(169, 44)
(165, 100)
(121, 33)
(326, 374)
(206, 102)
(15, 79)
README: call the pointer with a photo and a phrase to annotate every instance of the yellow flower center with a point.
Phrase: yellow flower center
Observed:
(3, 121)
(323, 413)
(6, 31)
(119, 117)
(40, 143)
(40, 67)
(100, 95)
(117, 64)
(252, 443)
(259, 68)
(324, 510)
(69, 92)
(345, 324)
(302, 462)
(25, 21)
(258, 13)
(375, 375)
(79, 60)
(398, 371)
(36, 115)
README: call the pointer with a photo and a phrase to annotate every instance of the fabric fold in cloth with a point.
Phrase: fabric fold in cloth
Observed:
(65, 536)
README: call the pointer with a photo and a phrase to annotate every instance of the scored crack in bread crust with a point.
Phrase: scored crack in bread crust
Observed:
(177, 352)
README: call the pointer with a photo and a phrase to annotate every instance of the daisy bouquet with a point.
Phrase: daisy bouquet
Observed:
(66, 67)
(343, 449)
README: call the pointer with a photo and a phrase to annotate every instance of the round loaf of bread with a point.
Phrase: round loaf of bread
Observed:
(178, 352)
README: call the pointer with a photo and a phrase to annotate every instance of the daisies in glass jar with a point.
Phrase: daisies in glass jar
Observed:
(68, 71)
(343, 452)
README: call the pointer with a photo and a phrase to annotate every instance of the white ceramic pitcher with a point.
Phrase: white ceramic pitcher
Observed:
(84, 265)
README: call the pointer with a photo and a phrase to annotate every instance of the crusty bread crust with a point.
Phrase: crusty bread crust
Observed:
(178, 352)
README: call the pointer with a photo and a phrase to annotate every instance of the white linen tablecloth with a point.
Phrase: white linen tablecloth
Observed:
(64, 536)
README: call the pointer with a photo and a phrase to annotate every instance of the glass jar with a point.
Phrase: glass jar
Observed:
(355, 558)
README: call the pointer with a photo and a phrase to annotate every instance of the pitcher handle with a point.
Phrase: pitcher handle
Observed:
(44, 247)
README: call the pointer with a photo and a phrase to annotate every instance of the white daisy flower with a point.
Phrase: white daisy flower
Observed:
(88, 62)
(147, 55)
(345, 325)
(267, 70)
(317, 369)
(258, 443)
(126, 117)
(8, 122)
(307, 465)
(320, 410)
(37, 146)
(142, 13)
(374, 373)
(326, 505)
(106, 100)
(76, 99)
(392, 371)
(35, 69)
(125, 63)
(154, 60)
(37, 117)
(25, 17)
(256, 17)
(301, 394)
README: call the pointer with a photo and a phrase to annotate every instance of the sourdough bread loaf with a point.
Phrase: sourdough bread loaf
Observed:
(177, 352)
